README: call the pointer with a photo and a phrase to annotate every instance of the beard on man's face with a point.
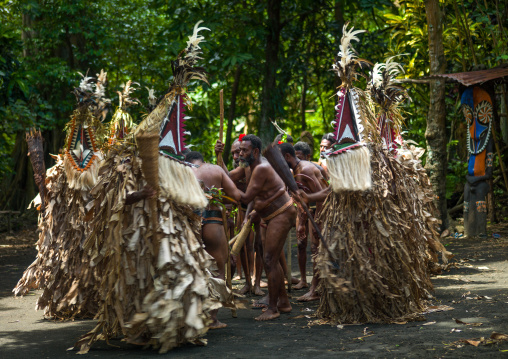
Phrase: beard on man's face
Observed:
(246, 162)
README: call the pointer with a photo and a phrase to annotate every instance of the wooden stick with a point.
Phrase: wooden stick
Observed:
(499, 156)
(228, 263)
(221, 128)
(242, 237)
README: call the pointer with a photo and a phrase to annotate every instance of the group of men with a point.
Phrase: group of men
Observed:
(261, 195)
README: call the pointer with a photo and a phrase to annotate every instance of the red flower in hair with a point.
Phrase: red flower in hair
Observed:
(240, 138)
(280, 142)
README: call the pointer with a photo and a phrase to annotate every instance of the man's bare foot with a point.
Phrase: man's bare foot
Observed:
(218, 325)
(258, 291)
(301, 284)
(293, 280)
(268, 315)
(263, 284)
(287, 309)
(246, 289)
(308, 297)
(260, 303)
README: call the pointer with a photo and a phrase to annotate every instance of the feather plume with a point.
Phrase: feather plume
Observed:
(184, 70)
(386, 96)
(347, 61)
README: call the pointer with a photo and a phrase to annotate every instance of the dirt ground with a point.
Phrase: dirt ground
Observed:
(474, 289)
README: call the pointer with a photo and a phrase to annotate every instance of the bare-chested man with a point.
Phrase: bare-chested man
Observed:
(309, 178)
(327, 141)
(213, 234)
(241, 176)
(302, 151)
(279, 215)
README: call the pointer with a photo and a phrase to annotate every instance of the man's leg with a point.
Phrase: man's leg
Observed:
(216, 245)
(312, 295)
(276, 233)
(258, 247)
(301, 237)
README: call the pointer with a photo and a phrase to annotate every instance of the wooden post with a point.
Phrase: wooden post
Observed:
(221, 128)
(501, 164)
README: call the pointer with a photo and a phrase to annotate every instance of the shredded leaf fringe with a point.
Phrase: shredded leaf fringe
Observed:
(385, 242)
(161, 300)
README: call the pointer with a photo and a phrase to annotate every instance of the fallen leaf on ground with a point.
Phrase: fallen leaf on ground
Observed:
(483, 268)
(365, 332)
(429, 323)
(473, 342)
(498, 336)
(438, 308)
(458, 321)
(455, 330)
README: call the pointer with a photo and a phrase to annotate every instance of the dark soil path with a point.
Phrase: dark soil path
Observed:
(475, 287)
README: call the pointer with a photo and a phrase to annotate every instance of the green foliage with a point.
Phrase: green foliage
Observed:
(43, 45)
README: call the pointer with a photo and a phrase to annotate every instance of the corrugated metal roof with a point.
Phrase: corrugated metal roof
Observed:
(477, 77)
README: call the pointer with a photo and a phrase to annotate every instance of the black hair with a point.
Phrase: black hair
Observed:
(255, 141)
(193, 156)
(287, 148)
(185, 151)
(329, 137)
(279, 138)
(303, 147)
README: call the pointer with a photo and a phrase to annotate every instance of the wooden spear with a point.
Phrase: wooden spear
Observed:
(219, 162)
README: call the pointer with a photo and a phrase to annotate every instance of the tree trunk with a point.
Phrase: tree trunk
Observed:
(304, 101)
(269, 98)
(231, 114)
(436, 120)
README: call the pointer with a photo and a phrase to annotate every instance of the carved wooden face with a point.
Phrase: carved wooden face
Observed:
(172, 131)
(347, 122)
(478, 113)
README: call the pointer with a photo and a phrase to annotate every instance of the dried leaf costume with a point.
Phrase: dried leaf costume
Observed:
(62, 268)
(156, 286)
(378, 237)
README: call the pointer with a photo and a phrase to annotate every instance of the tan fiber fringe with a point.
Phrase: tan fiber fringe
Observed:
(178, 183)
(163, 300)
(350, 171)
(62, 269)
(85, 180)
(386, 243)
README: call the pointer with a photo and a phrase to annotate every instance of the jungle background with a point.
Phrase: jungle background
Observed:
(271, 57)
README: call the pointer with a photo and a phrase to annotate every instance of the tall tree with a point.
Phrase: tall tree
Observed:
(269, 97)
(436, 120)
